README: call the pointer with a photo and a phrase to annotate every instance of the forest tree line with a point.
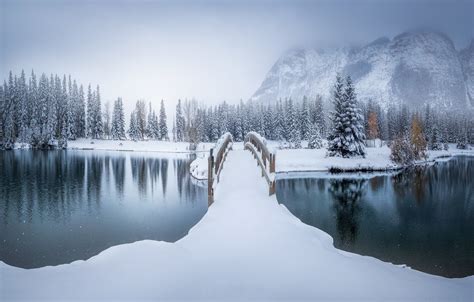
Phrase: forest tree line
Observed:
(52, 110)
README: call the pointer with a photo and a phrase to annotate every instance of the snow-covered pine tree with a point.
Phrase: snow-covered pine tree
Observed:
(2, 111)
(180, 122)
(162, 123)
(392, 120)
(118, 121)
(356, 136)
(24, 123)
(133, 131)
(107, 120)
(337, 132)
(347, 136)
(80, 122)
(279, 122)
(305, 120)
(318, 115)
(51, 116)
(90, 124)
(314, 137)
(155, 127)
(462, 138)
(268, 121)
(149, 124)
(294, 136)
(435, 139)
(428, 125)
(34, 109)
(98, 124)
(2, 102)
(8, 118)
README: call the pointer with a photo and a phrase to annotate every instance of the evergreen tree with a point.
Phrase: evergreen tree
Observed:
(318, 116)
(435, 139)
(180, 123)
(118, 121)
(155, 127)
(98, 131)
(8, 117)
(24, 125)
(305, 120)
(314, 140)
(162, 123)
(347, 137)
(280, 123)
(106, 119)
(80, 122)
(133, 131)
(90, 125)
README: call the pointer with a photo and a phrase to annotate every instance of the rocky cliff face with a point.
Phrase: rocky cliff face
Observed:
(467, 61)
(415, 68)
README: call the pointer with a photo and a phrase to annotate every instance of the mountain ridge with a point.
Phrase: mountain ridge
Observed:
(413, 68)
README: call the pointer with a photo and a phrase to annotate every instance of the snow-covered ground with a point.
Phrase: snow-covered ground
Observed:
(315, 160)
(377, 159)
(128, 145)
(246, 247)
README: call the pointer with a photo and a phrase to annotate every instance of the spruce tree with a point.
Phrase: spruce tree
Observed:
(347, 136)
(162, 123)
(133, 131)
(24, 131)
(8, 118)
(314, 137)
(107, 120)
(180, 123)
(80, 123)
(90, 125)
(98, 131)
(305, 120)
(118, 121)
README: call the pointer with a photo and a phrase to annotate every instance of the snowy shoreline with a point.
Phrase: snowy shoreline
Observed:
(287, 160)
(294, 161)
(247, 246)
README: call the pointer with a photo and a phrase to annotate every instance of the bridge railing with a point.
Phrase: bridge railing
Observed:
(215, 164)
(256, 144)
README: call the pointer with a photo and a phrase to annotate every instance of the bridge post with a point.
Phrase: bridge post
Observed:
(272, 162)
(271, 189)
(210, 178)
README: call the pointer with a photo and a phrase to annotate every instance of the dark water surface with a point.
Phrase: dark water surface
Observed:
(422, 217)
(60, 206)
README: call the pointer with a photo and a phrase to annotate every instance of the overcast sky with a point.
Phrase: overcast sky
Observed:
(209, 50)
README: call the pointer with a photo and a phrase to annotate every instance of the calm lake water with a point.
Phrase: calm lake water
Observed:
(60, 206)
(422, 217)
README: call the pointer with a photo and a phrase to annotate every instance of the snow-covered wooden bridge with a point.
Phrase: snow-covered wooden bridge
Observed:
(254, 143)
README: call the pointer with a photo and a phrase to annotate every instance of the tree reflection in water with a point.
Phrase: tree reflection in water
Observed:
(347, 194)
(60, 206)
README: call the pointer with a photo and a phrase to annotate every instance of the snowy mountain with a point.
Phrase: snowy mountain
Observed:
(467, 60)
(413, 68)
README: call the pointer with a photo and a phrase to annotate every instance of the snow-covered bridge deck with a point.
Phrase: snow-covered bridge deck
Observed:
(246, 246)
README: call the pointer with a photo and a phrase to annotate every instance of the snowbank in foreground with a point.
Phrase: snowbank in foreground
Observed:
(128, 145)
(246, 247)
